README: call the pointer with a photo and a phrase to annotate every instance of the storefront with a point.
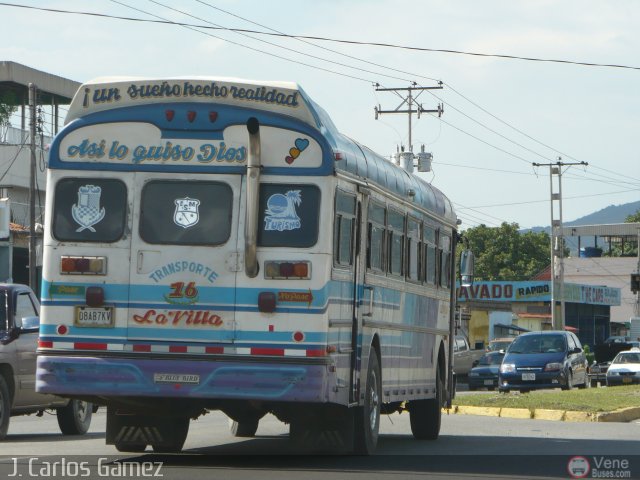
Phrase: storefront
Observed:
(505, 309)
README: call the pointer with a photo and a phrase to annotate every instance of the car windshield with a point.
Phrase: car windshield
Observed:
(629, 357)
(493, 359)
(538, 344)
(495, 346)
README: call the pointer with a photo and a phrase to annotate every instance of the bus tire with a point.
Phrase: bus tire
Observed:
(180, 429)
(244, 429)
(367, 417)
(5, 408)
(75, 417)
(425, 415)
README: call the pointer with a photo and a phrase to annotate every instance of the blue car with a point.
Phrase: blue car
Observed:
(484, 373)
(549, 359)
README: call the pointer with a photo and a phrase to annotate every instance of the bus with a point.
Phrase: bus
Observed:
(217, 244)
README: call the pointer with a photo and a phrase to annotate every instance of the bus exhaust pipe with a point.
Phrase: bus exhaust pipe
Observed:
(253, 195)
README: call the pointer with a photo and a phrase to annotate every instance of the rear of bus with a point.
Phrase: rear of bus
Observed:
(149, 302)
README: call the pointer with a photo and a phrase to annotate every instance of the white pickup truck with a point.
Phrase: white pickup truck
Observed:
(464, 356)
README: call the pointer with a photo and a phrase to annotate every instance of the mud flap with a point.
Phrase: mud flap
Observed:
(124, 428)
(329, 434)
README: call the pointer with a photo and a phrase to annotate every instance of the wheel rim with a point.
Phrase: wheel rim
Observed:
(374, 400)
(82, 411)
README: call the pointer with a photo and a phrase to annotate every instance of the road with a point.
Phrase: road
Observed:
(469, 447)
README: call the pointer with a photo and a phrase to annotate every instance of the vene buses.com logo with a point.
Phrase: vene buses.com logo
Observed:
(578, 467)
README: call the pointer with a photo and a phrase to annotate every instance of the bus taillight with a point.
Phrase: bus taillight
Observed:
(83, 265)
(285, 270)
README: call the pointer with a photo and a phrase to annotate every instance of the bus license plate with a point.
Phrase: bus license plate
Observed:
(528, 376)
(94, 317)
(184, 378)
(488, 382)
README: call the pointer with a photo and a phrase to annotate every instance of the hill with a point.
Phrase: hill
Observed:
(610, 214)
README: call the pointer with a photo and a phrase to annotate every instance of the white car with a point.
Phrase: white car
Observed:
(625, 368)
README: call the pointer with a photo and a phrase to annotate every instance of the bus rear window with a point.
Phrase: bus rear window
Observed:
(186, 213)
(288, 215)
(89, 210)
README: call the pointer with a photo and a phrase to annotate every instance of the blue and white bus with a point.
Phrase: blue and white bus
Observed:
(217, 244)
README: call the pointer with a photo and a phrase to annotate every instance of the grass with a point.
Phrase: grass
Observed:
(591, 400)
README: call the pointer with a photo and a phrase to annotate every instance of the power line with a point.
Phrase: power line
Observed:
(195, 29)
(334, 40)
(301, 38)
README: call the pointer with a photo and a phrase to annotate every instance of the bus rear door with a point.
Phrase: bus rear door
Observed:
(184, 262)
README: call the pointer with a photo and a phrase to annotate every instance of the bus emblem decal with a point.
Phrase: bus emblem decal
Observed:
(186, 214)
(281, 211)
(87, 211)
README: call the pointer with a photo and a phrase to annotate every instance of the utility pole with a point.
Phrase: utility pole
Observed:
(557, 241)
(33, 272)
(409, 100)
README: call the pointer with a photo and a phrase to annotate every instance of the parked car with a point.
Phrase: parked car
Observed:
(19, 324)
(464, 355)
(604, 355)
(548, 359)
(499, 344)
(484, 373)
(625, 368)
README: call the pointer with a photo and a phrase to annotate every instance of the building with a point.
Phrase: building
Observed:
(505, 309)
(15, 159)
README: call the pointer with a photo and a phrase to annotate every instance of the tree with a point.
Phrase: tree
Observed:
(8, 106)
(630, 247)
(503, 253)
(633, 218)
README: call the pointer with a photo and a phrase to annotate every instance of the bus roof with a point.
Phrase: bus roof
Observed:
(107, 93)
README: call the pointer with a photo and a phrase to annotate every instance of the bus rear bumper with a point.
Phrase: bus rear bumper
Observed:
(182, 378)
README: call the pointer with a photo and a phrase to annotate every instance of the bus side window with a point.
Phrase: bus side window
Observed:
(445, 260)
(375, 237)
(414, 250)
(344, 228)
(429, 233)
(396, 243)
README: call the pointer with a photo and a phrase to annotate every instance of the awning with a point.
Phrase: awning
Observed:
(512, 327)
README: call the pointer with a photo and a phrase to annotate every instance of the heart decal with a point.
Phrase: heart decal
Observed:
(294, 152)
(301, 143)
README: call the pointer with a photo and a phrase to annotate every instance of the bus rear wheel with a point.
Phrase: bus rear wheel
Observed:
(75, 417)
(179, 430)
(244, 428)
(426, 415)
(367, 417)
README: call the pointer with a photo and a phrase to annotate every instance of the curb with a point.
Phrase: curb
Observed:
(623, 415)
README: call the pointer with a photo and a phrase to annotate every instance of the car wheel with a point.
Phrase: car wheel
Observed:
(75, 418)
(569, 384)
(426, 415)
(367, 417)
(5, 408)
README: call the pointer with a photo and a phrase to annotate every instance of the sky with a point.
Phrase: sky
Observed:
(500, 115)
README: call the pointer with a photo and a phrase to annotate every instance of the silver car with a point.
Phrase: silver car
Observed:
(19, 324)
